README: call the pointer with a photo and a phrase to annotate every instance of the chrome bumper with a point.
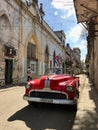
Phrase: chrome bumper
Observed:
(52, 101)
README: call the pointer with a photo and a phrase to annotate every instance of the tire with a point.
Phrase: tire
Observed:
(75, 107)
(77, 93)
(35, 104)
(30, 103)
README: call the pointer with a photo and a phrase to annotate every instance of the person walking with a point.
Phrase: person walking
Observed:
(29, 74)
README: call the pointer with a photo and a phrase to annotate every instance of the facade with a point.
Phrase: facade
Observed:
(77, 60)
(61, 36)
(73, 61)
(69, 59)
(87, 14)
(26, 40)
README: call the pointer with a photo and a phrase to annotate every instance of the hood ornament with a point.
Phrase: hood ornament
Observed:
(47, 82)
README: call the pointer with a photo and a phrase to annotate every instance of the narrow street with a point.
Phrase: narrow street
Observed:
(42, 38)
(15, 114)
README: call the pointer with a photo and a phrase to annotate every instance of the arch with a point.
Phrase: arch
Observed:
(46, 57)
(5, 38)
(31, 38)
(4, 13)
(32, 58)
(5, 28)
(54, 54)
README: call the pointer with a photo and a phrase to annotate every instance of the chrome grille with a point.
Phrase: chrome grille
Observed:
(50, 95)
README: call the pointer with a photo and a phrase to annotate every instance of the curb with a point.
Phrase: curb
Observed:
(9, 88)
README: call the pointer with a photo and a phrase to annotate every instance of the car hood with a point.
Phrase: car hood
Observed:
(52, 82)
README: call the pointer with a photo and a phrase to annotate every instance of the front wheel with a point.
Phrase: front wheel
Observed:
(77, 94)
(35, 104)
(30, 103)
(75, 106)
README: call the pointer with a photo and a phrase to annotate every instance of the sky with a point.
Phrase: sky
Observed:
(60, 15)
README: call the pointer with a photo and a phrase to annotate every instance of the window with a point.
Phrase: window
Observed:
(31, 51)
(33, 66)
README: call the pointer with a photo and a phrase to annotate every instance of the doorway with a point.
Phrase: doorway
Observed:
(8, 71)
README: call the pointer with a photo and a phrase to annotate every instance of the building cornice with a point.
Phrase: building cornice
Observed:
(43, 25)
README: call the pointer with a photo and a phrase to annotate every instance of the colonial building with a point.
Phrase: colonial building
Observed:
(25, 40)
(68, 58)
(73, 61)
(87, 14)
(77, 60)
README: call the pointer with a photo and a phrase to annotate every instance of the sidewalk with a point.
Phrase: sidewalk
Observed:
(87, 113)
(7, 88)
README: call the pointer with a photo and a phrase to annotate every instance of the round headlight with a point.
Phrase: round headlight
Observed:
(27, 85)
(69, 88)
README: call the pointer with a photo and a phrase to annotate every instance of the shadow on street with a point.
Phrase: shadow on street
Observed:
(45, 117)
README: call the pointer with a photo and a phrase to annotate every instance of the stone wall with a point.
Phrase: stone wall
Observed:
(18, 27)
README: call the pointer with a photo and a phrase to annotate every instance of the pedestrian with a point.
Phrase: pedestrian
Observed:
(29, 74)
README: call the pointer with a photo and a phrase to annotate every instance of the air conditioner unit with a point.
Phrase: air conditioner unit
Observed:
(28, 2)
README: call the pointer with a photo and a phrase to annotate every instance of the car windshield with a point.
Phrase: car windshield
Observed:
(54, 71)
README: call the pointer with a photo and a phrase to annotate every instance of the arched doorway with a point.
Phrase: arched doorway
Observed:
(5, 29)
(32, 61)
(6, 64)
(54, 59)
(46, 58)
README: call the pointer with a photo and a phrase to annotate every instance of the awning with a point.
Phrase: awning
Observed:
(85, 9)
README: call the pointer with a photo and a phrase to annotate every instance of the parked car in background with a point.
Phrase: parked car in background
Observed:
(53, 87)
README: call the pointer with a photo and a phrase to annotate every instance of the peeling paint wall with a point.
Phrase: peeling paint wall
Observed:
(18, 27)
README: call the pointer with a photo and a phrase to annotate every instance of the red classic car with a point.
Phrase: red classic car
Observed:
(53, 87)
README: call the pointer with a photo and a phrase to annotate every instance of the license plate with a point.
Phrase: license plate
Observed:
(46, 100)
